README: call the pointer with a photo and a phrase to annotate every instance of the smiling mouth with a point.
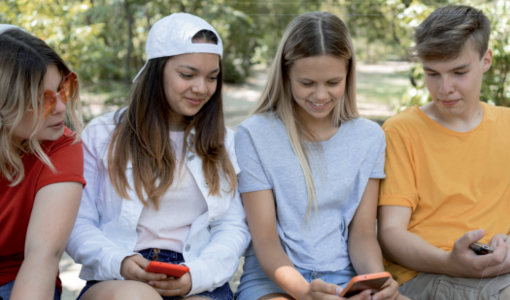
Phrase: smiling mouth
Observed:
(318, 105)
(58, 125)
(194, 101)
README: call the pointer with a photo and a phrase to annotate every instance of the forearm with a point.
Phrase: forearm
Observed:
(36, 278)
(365, 253)
(279, 268)
(411, 251)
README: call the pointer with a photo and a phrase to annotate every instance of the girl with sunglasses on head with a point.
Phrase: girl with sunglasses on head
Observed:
(310, 171)
(41, 164)
(162, 178)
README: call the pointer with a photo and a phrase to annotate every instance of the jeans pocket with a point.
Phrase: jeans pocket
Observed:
(444, 290)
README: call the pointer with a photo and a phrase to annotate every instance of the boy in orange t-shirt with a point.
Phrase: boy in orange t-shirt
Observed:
(448, 170)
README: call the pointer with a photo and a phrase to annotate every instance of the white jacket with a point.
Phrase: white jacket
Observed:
(105, 230)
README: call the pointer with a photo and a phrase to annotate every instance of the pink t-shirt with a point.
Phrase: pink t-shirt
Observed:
(168, 228)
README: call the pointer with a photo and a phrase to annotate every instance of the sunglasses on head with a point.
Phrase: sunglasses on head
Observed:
(66, 91)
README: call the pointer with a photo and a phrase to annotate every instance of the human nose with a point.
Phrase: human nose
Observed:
(199, 86)
(321, 93)
(60, 105)
(446, 86)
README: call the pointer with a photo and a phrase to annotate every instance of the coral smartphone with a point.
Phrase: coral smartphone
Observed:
(481, 249)
(361, 283)
(166, 268)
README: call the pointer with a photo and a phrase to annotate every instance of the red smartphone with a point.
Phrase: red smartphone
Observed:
(362, 283)
(166, 268)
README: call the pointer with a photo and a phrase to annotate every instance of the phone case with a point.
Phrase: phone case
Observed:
(365, 282)
(166, 268)
(481, 249)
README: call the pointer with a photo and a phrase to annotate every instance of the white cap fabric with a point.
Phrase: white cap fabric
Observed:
(172, 35)
(5, 27)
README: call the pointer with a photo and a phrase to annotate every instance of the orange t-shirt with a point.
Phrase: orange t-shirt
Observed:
(16, 202)
(454, 182)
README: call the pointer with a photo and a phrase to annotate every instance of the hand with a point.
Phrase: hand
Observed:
(133, 268)
(320, 290)
(463, 262)
(173, 286)
(389, 291)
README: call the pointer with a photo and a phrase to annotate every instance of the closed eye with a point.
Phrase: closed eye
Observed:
(186, 75)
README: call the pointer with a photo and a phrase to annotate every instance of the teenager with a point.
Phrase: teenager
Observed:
(448, 162)
(310, 172)
(41, 164)
(162, 177)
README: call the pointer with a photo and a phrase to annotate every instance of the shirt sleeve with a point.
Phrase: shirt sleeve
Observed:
(252, 177)
(67, 158)
(399, 187)
(378, 169)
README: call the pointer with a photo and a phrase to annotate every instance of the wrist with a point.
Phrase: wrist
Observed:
(447, 264)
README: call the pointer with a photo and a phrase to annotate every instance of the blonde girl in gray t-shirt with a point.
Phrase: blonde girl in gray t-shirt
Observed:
(310, 171)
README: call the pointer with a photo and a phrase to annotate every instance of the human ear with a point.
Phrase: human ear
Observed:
(487, 60)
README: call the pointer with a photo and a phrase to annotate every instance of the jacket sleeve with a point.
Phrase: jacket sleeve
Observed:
(87, 244)
(230, 236)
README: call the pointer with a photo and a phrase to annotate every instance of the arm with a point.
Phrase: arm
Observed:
(364, 250)
(51, 222)
(261, 216)
(409, 250)
(87, 244)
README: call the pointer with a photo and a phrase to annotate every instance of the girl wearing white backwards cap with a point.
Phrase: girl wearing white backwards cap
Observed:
(162, 177)
(41, 164)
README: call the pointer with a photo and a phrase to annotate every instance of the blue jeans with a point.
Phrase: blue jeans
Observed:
(220, 293)
(255, 283)
(6, 290)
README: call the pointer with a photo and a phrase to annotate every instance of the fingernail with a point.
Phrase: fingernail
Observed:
(375, 297)
(163, 277)
(479, 232)
(339, 289)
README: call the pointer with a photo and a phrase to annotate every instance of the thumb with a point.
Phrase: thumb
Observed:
(141, 261)
(470, 237)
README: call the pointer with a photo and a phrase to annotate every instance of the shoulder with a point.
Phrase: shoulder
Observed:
(365, 126)
(498, 112)
(405, 120)
(260, 124)
(100, 129)
(67, 141)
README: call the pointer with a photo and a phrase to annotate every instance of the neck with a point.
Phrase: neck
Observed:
(322, 129)
(465, 121)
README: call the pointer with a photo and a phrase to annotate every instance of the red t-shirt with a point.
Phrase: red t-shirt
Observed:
(16, 202)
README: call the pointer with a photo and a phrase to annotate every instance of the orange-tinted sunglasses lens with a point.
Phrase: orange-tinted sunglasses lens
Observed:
(66, 91)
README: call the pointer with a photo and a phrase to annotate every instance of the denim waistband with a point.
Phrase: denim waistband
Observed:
(161, 255)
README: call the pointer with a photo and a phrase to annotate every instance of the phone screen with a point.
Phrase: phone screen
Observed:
(371, 284)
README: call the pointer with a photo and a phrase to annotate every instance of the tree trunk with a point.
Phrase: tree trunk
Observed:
(129, 18)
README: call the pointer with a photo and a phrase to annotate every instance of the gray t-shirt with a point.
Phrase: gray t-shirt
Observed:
(349, 158)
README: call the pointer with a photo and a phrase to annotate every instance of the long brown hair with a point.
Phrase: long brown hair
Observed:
(24, 60)
(142, 137)
(310, 34)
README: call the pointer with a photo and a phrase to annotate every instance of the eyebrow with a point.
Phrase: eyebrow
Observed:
(425, 68)
(332, 79)
(197, 70)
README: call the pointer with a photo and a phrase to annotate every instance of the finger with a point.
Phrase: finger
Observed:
(168, 293)
(468, 238)
(141, 261)
(147, 276)
(499, 254)
(318, 285)
(385, 293)
(496, 239)
(164, 284)
(361, 296)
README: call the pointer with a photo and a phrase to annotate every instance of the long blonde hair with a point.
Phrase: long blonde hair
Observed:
(23, 64)
(310, 34)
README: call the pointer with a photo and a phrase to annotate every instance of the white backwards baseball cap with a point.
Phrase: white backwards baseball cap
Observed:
(172, 35)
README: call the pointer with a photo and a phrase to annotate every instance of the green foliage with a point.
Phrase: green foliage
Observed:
(104, 40)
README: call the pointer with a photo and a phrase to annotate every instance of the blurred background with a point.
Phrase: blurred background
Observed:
(103, 41)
